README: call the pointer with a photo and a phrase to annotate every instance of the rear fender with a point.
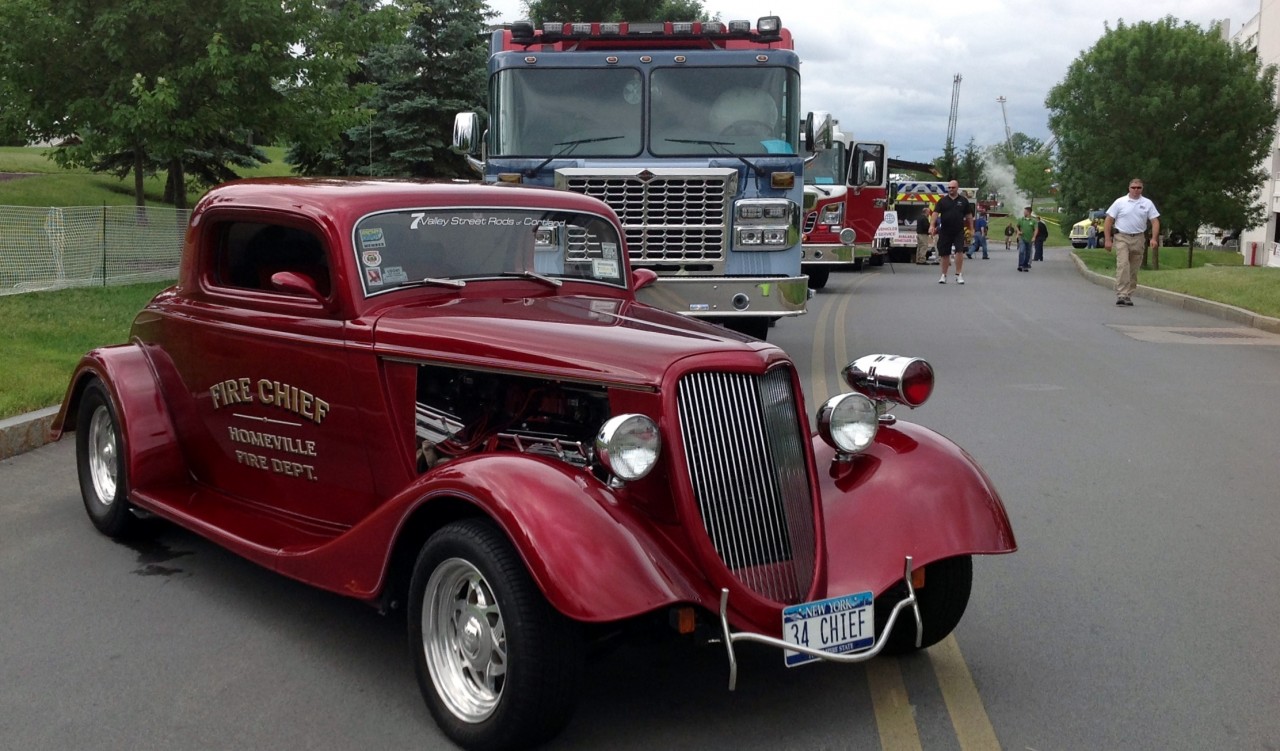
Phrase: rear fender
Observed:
(593, 557)
(151, 451)
(912, 493)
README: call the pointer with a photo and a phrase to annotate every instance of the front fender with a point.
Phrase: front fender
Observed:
(151, 448)
(913, 492)
(594, 558)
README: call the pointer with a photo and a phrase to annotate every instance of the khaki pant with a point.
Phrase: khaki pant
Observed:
(1128, 250)
(922, 247)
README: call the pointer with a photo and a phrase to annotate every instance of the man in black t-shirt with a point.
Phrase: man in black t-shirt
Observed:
(953, 215)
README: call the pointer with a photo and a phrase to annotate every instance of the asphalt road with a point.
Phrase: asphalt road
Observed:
(1138, 466)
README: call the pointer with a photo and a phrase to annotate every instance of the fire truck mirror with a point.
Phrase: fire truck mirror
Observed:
(818, 127)
(466, 133)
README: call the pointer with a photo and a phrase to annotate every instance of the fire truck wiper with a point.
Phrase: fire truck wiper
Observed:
(713, 144)
(568, 147)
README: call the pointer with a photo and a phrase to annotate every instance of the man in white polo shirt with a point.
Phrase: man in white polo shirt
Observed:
(1127, 222)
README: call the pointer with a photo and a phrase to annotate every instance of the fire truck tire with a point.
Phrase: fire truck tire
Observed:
(877, 259)
(818, 278)
(499, 668)
(104, 482)
(757, 326)
(857, 264)
(942, 600)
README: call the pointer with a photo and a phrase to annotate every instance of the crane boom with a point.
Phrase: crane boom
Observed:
(955, 108)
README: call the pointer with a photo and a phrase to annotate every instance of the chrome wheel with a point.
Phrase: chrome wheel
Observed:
(464, 640)
(104, 455)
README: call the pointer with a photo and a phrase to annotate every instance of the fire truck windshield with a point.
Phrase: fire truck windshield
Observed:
(690, 111)
(827, 167)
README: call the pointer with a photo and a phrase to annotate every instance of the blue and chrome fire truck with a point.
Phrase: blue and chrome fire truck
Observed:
(691, 132)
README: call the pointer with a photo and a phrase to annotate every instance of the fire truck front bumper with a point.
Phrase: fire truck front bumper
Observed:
(834, 254)
(735, 296)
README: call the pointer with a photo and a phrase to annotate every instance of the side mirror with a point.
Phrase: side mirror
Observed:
(641, 278)
(819, 130)
(466, 133)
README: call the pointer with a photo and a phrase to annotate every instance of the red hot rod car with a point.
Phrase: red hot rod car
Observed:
(446, 398)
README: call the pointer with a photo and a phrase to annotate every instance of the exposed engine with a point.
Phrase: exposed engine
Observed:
(461, 412)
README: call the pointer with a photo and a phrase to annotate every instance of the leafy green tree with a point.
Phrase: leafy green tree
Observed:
(1176, 105)
(615, 10)
(1033, 174)
(167, 83)
(970, 171)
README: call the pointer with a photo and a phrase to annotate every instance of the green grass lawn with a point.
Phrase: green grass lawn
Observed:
(43, 335)
(44, 183)
(1214, 275)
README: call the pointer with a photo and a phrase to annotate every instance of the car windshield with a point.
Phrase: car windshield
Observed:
(452, 247)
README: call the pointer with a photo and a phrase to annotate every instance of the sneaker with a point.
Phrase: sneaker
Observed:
(1119, 301)
(986, 258)
(1128, 302)
(943, 279)
(959, 279)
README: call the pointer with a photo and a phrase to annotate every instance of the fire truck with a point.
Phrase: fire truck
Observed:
(690, 132)
(843, 206)
(848, 188)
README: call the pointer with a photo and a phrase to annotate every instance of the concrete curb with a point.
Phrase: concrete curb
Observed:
(1186, 302)
(31, 431)
(25, 432)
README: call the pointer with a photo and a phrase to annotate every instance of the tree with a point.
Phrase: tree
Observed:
(166, 83)
(1176, 105)
(615, 10)
(970, 172)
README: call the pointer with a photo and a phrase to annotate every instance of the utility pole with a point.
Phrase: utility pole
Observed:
(1008, 134)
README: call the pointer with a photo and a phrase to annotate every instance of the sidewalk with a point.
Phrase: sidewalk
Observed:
(30, 431)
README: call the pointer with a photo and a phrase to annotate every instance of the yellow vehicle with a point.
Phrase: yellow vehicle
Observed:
(1080, 230)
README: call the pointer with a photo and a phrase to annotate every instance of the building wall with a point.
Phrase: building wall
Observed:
(1261, 34)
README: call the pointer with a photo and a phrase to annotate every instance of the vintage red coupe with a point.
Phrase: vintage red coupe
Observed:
(446, 398)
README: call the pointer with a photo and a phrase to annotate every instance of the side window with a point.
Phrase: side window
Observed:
(250, 253)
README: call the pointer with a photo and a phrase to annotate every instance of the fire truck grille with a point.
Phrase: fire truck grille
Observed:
(810, 221)
(746, 462)
(667, 219)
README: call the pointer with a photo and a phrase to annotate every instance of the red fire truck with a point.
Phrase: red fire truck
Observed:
(847, 190)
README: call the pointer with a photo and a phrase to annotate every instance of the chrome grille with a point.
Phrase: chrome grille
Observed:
(668, 218)
(810, 221)
(746, 460)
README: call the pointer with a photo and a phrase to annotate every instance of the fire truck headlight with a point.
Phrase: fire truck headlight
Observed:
(768, 24)
(628, 446)
(750, 236)
(848, 422)
(832, 214)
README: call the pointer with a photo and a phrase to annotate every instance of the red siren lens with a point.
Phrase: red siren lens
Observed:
(917, 383)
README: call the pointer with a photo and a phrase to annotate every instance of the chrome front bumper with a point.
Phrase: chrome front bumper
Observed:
(728, 297)
(731, 637)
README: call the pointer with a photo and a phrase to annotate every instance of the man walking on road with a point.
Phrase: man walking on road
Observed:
(1026, 231)
(979, 235)
(1127, 221)
(954, 214)
(1042, 234)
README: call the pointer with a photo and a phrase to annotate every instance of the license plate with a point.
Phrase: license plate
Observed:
(837, 625)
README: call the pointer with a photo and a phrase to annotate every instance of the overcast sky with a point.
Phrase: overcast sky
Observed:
(885, 69)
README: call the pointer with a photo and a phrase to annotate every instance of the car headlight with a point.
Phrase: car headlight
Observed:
(628, 446)
(848, 422)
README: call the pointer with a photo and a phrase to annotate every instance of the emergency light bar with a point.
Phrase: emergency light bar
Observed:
(768, 29)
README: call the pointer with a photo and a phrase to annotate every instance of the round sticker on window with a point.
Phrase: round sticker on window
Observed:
(371, 258)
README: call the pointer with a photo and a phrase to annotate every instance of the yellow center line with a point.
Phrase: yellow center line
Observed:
(968, 715)
(895, 719)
